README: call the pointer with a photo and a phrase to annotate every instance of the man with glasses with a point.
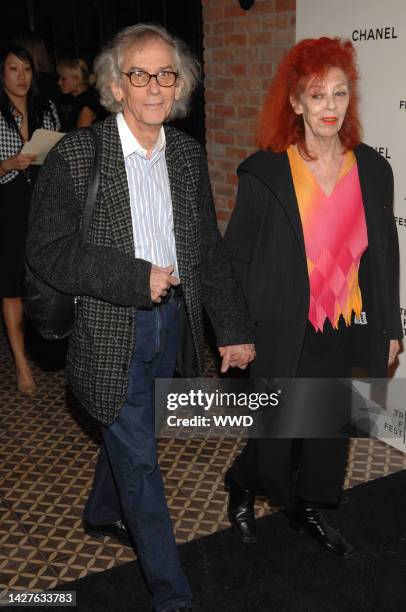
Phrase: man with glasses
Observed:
(153, 258)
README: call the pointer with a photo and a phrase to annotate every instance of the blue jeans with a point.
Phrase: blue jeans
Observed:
(128, 483)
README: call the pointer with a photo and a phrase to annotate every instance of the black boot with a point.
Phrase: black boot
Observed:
(307, 517)
(118, 531)
(240, 509)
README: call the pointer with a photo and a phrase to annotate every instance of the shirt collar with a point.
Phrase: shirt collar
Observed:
(130, 144)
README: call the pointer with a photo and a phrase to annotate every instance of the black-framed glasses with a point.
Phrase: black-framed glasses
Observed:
(141, 78)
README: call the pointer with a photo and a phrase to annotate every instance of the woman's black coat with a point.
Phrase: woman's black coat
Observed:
(265, 240)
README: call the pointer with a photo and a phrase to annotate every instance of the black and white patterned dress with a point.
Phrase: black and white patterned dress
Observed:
(15, 195)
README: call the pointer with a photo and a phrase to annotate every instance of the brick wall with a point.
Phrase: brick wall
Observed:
(241, 50)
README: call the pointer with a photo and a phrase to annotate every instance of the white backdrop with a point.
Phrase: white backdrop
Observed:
(378, 30)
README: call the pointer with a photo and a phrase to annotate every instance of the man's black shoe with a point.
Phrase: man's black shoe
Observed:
(241, 509)
(116, 530)
(307, 517)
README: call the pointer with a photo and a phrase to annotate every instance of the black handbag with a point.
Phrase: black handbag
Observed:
(50, 311)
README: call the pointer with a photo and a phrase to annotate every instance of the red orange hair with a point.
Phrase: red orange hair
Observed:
(279, 125)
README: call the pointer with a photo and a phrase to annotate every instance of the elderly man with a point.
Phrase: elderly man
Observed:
(154, 257)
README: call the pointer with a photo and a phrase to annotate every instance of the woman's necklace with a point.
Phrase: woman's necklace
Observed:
(24, 126)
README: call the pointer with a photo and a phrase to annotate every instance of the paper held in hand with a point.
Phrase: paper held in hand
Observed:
(41, 143)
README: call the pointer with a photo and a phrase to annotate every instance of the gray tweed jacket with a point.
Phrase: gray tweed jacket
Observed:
(111, 283)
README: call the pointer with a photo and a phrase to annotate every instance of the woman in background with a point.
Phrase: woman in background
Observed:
(314, 240)
(22, 110)
(44, 70)
(75, 79)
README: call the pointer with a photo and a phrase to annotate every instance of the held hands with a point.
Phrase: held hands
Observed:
(18, 162)
(394, 348)
(236, 356)
(160, 281)
(240, 355)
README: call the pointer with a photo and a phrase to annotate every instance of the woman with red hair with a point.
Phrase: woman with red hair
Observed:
(314, 240)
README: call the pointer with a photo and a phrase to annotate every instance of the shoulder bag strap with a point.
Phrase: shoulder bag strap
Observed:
(93, 186)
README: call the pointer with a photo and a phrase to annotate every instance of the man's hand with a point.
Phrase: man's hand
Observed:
(236, 356)
(160, 280)
(394, 348)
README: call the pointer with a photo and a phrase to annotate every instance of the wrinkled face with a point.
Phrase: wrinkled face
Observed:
(324, 104)
(67, 81)
(17, 76)
(147, 107)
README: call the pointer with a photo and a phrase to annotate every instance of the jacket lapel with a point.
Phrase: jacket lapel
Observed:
(115, 187)
(273, 169)
(178, 173)
(368, 191)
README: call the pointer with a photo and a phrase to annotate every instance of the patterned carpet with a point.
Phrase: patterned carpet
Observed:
(47, 455)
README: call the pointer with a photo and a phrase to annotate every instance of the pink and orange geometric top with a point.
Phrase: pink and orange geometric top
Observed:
(335, 236)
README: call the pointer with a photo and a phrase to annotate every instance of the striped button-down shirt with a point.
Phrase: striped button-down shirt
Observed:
(150, 199)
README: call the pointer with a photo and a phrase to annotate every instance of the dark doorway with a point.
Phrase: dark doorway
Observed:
(80, 27)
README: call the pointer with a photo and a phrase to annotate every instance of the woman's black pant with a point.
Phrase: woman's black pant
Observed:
(283, 468)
